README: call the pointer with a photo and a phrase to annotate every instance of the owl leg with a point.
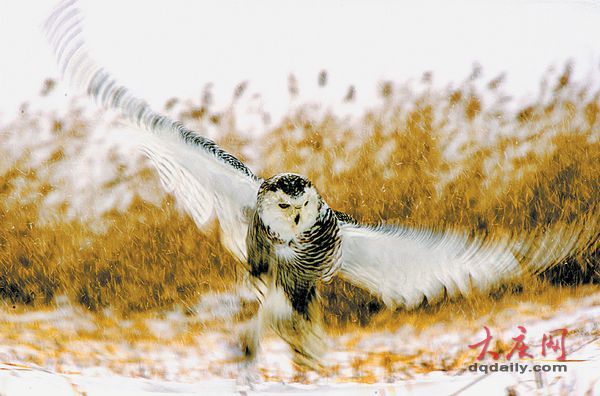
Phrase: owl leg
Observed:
(251, 336)
(248, 374)
(303, 332)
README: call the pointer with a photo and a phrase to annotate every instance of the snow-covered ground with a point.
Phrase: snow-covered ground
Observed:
(68, 351)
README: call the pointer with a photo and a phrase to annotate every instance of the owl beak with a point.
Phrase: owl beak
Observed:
(296, 214)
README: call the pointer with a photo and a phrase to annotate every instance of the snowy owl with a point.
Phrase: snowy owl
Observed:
(280, 227)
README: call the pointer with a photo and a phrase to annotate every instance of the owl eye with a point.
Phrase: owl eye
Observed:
(305, 203)
(284, 206)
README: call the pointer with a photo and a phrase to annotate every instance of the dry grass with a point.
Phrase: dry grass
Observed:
(392, 164)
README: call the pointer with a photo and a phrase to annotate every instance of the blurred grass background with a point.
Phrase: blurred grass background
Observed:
(458, 157)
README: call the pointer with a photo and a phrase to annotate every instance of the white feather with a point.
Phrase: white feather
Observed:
(204, 187)
(204, 179)
(404, 266)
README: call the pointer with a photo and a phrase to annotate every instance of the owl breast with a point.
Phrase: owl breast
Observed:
(296, 265)
(284, 252)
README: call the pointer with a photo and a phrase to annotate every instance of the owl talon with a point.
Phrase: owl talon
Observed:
(248, 377)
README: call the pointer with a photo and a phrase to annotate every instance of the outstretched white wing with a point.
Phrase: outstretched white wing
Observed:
(404, 266)
(203, 177)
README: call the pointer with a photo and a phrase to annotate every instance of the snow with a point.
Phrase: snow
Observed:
(581, 378)
(32, 362)
(22, 380)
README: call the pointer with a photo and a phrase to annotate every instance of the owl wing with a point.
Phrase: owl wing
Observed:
(204, 178)
(405, 266)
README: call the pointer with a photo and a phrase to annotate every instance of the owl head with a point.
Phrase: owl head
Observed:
(288, 204)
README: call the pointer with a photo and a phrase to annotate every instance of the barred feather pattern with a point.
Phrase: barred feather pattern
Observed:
(285, 275)
(64, 32)
(205, 179)
(295, 266)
